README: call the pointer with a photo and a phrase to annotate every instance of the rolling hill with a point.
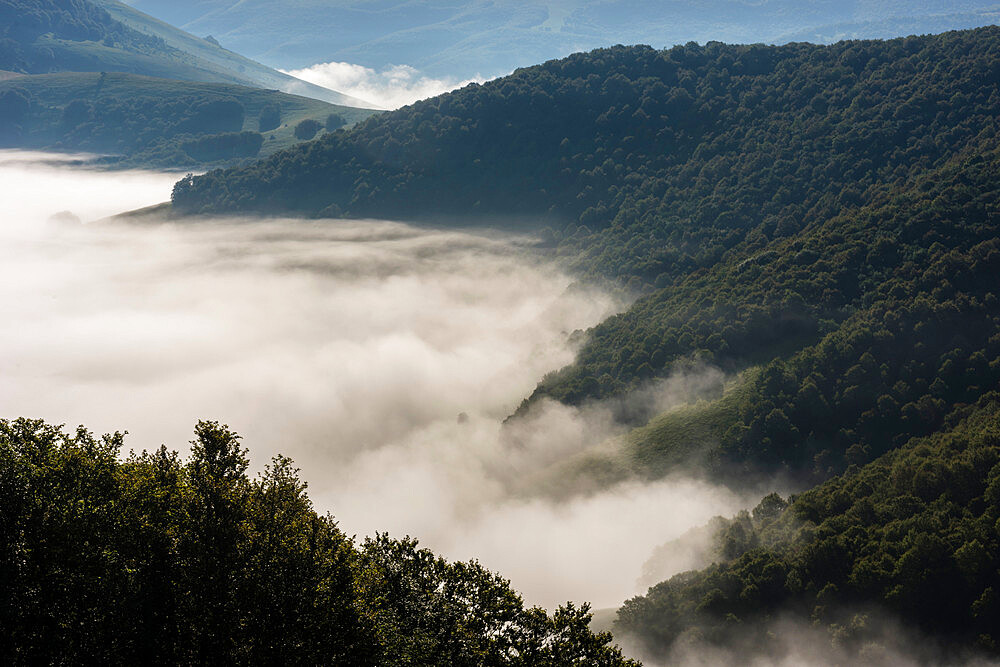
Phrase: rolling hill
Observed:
(43, 36)
(150, 122)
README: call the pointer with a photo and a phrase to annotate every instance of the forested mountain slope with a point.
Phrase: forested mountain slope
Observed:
(714, 141)
(907, 541)
(42, 36)
(866, 330)
(827, 212)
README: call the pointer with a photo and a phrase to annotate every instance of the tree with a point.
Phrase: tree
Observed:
(270, 117)
(217, 474)
(307, 129)
(334, 122)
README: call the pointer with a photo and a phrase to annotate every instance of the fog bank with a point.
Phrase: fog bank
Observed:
(868, 637)
(351, 346)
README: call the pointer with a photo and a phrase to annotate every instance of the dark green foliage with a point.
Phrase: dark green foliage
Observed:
(152, 560)
(913, 533)
(270, 117)
(861, 344)
(334, 122)
(697, 146)
(459, 615)
(15, 105)
(307, 129)
(227, 146)
(137, 125)
(133, 123)
(206, 117)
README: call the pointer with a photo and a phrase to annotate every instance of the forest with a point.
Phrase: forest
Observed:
(820, 223)
(913, 534)
(145, 558)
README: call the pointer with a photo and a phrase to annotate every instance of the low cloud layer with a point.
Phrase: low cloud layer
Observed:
(381, 357)
(390, 88)
(868, 637)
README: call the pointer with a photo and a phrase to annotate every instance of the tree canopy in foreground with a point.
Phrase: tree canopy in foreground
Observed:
(151, 559)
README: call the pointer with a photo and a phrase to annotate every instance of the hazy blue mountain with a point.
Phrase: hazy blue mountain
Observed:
(464, 37)
(43, 36)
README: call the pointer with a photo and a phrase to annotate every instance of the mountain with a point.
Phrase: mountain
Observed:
(907, 541)
(42, 36)
(462, 38)
(794, 215)
(150, 122)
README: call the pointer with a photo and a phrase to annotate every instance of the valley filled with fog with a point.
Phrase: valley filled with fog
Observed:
(381, 357)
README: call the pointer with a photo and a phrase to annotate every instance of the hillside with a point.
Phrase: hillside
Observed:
(908, 539)
(43, 36)
(798, 208)
(151, 122)
(591, 138)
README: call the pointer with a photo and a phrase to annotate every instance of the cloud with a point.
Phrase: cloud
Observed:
(351, 346)
(390, 88)
(868, 636)
(471, 490)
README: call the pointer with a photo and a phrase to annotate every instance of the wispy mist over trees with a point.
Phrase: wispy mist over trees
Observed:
(911, 536)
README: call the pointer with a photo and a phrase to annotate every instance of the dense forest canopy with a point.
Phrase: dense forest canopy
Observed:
(149, 559)
(911, 536)
(622, 135)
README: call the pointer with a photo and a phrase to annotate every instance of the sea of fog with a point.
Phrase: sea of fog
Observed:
(381, 357)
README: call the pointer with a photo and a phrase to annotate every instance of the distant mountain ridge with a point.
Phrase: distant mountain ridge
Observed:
(40, 36)
(462, 38)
